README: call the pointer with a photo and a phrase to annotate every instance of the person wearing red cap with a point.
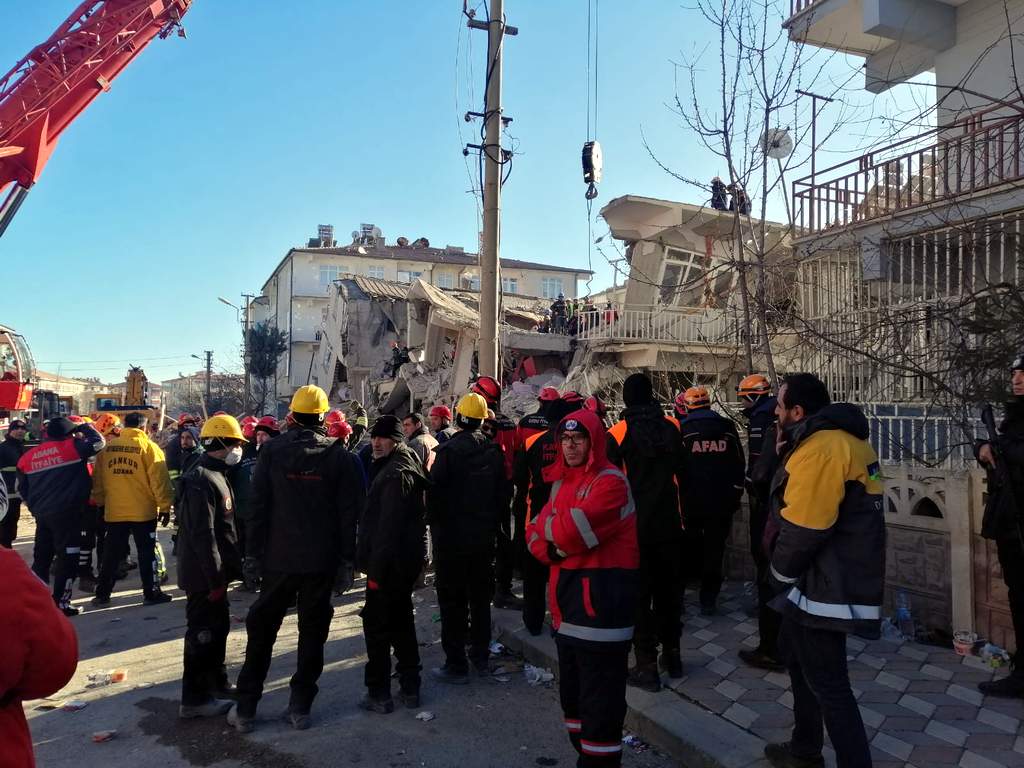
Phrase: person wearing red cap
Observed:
(506, 438)
(441, 423)
(587, 534)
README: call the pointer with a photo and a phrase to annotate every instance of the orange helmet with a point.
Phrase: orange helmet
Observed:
(106, 423)
(488, 388)
(333, 421)
(754, 385)
(696, 398)
(248, 424)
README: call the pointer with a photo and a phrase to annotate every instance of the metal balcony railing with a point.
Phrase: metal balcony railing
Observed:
(969, 156)
(665, 325)
(797, 6)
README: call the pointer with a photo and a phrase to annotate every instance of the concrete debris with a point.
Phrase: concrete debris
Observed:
(426, 716)
(537, 675)
(521, 398)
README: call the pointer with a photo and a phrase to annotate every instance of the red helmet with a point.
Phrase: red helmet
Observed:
(596, 405)
(488, 388)
(548, 395)
(342, 430)
(268, 424)
(186, 418)
(680, 405)
(248, 423)
(442, 412)
(220, 413)
(573, 398)
(333, 421)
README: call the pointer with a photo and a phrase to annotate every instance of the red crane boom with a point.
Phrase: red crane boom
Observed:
(45, 91)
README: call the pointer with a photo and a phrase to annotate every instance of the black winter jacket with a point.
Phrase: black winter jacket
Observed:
(1000, 518)
(53, 477)
(208, 553)
(308, 494)
(711, 481)
(647, 447)
(829, 555)
(390, 549)
(468, 490)
(10, 451)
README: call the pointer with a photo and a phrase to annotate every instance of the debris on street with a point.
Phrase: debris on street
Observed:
(426, 716)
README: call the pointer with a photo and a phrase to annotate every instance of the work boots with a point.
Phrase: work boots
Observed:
(1011, 687)
(505, 598)
(781, 756)
(755, 657)
(671, 663)
(645, 677)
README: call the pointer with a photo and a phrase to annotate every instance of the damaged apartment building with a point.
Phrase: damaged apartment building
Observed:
(343, 306)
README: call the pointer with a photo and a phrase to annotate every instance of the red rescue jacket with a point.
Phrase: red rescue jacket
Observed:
(587, 534)
(40, 654)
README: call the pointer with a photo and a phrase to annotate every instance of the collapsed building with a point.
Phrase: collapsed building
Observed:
(438, 329)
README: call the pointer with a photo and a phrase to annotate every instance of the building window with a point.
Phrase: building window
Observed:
(510, 285)
(376, 272)
(329, 273)
(550, 287)
(445, 280)
(405, 276)
(474, 283)
(687, 281)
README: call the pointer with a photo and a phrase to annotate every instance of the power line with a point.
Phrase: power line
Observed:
(116, 360)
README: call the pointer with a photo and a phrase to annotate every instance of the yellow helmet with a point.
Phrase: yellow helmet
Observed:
(309, 399)
(472, 406)
(223, 426)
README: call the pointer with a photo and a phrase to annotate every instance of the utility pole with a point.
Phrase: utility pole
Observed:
(494, 161)
(209, 367)
(245, 351)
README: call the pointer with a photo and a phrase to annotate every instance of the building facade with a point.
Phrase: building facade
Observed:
(296, 297)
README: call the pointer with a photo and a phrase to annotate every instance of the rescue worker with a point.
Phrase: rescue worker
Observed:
(307, 496)
(359, 424)
(509, 531)
(390, 552)
(419, 440)
(648, 449)
(540, 451)
(558, 314)
(208, 561)
(240, 477)
(53, 479)
(94, 528)
(132, 484)
(11, 450)
(465, 499)
(538, 421)
(40, 654)
(173, 448)
(828, 565)
(587, 534)
(441, 422)
(710, 487)
(679, 408)
(755, 394)
(999, 522)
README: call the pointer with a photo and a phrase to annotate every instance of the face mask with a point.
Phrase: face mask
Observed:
(234, 456)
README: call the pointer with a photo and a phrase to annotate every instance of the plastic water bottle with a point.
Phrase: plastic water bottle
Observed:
(903, 618)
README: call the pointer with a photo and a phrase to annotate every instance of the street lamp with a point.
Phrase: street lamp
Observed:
(245, 343)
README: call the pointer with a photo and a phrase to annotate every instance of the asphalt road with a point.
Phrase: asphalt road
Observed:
(499, 721)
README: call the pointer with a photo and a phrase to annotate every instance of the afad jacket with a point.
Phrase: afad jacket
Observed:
(586, 533)
(130, 480)
(39, 658)
(53, 477)
(829, 553)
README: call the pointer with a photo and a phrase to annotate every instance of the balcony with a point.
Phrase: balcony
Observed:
(976, 155)
(665, 325)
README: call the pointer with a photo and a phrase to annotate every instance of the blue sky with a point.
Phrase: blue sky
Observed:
(213, 155)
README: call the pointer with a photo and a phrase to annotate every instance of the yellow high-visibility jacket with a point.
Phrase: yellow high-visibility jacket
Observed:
(130, 479)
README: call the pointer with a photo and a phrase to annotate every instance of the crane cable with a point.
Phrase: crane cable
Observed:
(593, 55)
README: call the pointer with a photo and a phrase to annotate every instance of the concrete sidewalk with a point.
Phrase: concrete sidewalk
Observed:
(920, 704)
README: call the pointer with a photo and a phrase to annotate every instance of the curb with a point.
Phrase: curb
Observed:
(684, 731)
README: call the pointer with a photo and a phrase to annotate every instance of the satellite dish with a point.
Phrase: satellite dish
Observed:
(355, 235)
(776, 143)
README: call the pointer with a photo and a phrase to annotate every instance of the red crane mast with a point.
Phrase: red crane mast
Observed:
(45, 91)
